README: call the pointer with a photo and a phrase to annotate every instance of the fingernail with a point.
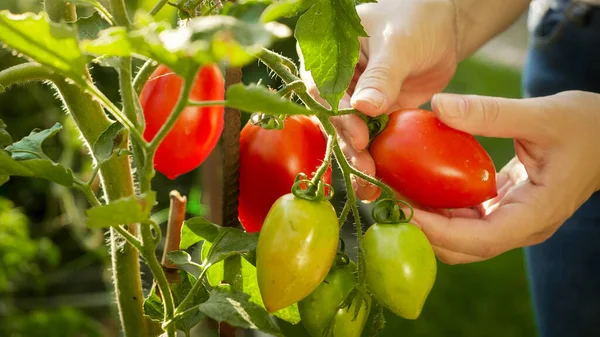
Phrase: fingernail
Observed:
(348, 138)
(370, 96)
(361, 182)
(448, 105)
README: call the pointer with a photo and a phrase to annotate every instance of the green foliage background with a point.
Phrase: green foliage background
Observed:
(60, 287)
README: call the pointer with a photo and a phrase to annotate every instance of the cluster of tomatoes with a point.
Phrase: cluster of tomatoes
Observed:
(298, 261)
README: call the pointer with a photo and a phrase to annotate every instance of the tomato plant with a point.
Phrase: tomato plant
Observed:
(279, 156)
(432, 164)
(170, 115)
(400, 267)
(321, 308)
(196, 131)
(296, 248)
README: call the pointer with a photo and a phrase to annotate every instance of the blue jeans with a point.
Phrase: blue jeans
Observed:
(564, 271)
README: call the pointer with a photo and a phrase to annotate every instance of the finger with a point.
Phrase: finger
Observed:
(452, 258)
(353, 129)
(362, 161)
(494, 116)
(490, 236)
(379, 85)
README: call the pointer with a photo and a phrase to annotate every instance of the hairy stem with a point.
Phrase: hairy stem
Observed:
(119, 12)
(159, 5)
(143, 75)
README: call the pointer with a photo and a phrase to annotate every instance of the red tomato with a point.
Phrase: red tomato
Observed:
(431, 163)
(270, 160)
(197, 130)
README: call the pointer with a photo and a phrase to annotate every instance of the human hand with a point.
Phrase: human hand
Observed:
(410, 54)
(556, 169)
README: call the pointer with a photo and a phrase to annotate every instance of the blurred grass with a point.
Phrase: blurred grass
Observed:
(488, 298)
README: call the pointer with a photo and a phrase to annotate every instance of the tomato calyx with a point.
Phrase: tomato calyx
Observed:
(388, 211)
(267, 122)
(375, 124)
(310, 190)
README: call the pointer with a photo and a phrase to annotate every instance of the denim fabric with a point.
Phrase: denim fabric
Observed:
(564, 271)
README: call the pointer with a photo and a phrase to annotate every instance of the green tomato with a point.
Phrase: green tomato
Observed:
(318, 309)
(345, 323)
(400, 267)
(296, 248)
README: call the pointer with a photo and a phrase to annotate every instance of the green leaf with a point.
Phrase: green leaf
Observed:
(89, 27)
(41, 168)
(3, 179)
(26, 158)
(231, 241)
(255, 98)
(197, 229)
(235, 309)
(5, 138)
(30, 147)
(328, 36)
(107, 142)
(202, 40)
(284, 9)
(52, 44)
(153, 307)
(184, 261)
(215, 275)
(180, 289)
(124, 211)
(248, 11)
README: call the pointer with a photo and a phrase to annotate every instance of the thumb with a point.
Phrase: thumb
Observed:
(379, 85)
(492, 116)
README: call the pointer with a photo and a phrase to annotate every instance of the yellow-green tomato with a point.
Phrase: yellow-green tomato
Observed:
(400, 267)
(296, 248)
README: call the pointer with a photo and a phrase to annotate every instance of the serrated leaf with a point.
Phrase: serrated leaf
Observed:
(215, 274)
(234, 308)
(40, 168)
(5, 138)
(30, 147)
(184, 261)
(231, 241)
(284, 9)
(248, 11)
(49, 43)
(197, 229)
(153, 307)
(255, 98)
(26, 158)
(89, 27)
(180, 290)
(107, 142)
(124, 211)
(328, 37)
(202, 40)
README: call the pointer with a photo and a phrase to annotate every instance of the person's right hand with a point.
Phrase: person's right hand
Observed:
(410, 54)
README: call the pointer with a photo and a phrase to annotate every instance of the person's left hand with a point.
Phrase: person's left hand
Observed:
(556, 169)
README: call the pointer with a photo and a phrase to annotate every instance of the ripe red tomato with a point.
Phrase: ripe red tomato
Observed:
(431, 163)
(197, 130)
(270, 160)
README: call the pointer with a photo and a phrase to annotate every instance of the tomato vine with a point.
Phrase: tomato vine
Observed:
(126, 162)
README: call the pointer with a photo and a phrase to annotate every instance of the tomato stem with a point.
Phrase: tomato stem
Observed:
(159, 5)
(116, 113)
(119, 13)
(143, 75)
(344, 214)
(296, 86)
(207, 103)
(324, 166)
